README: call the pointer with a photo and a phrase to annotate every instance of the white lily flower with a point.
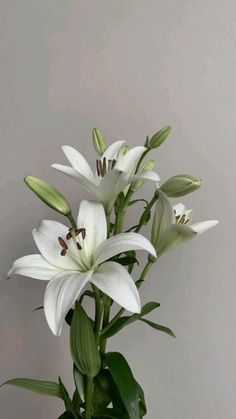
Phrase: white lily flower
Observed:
(172, 225)
(114, 170)
(69, 259)
(183, 216)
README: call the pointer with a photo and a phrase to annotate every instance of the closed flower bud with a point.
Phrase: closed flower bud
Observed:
(158, 138)
(181, 185)
(145, 168)
(99, 142)
(48, 194)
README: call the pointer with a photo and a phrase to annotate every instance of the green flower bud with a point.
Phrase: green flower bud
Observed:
(145, 168)
(181, 185)
(99, 142)
(48, 194)
(158, 138)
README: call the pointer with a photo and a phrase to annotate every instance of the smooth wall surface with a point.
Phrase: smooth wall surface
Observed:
(128, 67)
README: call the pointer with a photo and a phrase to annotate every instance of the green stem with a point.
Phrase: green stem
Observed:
(105, 322)
(72, 220)
(141, 159)
(98, 312)
(120, 217)
(88, 397)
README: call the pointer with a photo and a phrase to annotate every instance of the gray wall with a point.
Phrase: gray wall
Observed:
(129, 67)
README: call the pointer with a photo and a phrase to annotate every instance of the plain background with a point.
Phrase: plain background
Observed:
(128, 67)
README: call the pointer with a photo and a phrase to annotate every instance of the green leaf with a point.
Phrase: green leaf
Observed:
(126, 320)
(142, 402)
(67, 401)
(83, 345)
(38, 308)
(47, 388)
(66, 415)
(48, 194)
(135, 201)
(159, 327)
(79, 382)
(105, 413)
(125, 382)
(127, 260)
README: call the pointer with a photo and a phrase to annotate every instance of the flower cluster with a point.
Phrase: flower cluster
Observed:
(94, 252)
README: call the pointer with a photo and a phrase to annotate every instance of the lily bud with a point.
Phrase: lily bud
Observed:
(99, 141)
(145, 168)
(49, 195)
(158, 138)
(181, 185)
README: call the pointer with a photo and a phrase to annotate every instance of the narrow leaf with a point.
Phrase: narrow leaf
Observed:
(126, 320)
(79, 382)
(47, 388)
(67, 401)
(125, 382)
(159, 327)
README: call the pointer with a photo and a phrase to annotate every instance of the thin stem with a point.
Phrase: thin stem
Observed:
(88, 397)
(98, 312)
(105, 322)
(141, 159)
(72, 220)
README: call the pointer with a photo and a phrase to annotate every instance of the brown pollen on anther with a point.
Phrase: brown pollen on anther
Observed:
(62, 243)
(63, 252)
(78, 245)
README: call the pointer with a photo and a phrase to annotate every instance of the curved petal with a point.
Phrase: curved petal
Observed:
(34, 266)
(61, 293)
(46, 238)
(148, 175)
(69, 171)
(111, 185)
(122, 243)
(179, 209)
(116, 282)
(203, 226)
(112, 150)
(78, 162)
(127, 162)
(92, 217)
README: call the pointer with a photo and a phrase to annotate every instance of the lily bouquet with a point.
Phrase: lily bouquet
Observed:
(93, 257)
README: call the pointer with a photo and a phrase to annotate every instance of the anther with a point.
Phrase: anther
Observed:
(113, 163)
(62, 243)
(78, 245)
(104, 166)
(97, 166)
(68, 236)
(63, 252)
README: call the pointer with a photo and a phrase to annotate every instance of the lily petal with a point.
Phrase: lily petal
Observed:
(61, 293)
(127, 162)
(113, 150)
(78, 162)
(122, 243)
(148, 175)
(111, 185)
(34, 266)
(69, 171)
(92, 217)
(203, 226)
(46, 238)
(179, 209)
(116, 282)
